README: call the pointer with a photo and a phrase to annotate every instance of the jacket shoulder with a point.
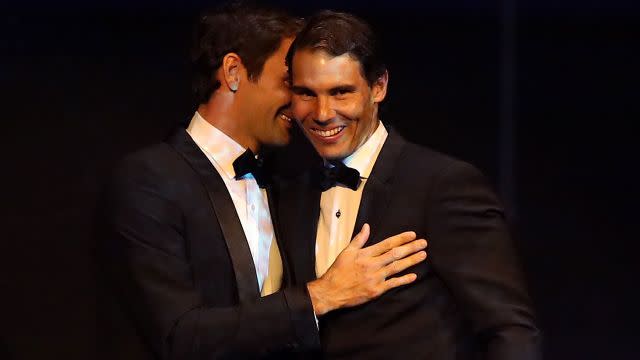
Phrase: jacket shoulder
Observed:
(425, 160)
(157, 159)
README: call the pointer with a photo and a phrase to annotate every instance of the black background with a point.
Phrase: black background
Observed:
(540, 95)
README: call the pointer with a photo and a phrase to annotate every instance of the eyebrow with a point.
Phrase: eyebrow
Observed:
(297, 89)
(342, 88)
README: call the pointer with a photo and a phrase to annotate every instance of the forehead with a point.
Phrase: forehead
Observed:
(319, 69)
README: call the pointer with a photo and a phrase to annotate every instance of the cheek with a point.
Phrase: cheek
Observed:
(283, 94)
(351, 109)
(300, 109)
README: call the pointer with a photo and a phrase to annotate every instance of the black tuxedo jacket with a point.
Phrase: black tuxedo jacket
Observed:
(469, 301)
(177, 253)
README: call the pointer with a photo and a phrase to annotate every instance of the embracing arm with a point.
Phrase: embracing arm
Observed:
(146, 254)
(473, 253)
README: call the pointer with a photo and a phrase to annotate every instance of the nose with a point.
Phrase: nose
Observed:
(324, 111)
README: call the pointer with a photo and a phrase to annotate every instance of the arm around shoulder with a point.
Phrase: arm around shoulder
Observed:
(145, 251)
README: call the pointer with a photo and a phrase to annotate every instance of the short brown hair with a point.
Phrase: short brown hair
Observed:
(338, 33)
(253, 32)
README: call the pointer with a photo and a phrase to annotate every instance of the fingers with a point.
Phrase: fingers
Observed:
(399, 281)
(400, 252)
(361, 238)
(403, 264)
(390, 243)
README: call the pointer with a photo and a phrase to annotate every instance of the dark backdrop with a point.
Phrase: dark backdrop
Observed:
(541, 96)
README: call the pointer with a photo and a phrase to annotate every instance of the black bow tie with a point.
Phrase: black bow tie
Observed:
(328, 177)
(247, 163)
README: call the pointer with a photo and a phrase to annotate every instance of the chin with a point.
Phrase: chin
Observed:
(280, 142)
(330, 154)
(285, 139)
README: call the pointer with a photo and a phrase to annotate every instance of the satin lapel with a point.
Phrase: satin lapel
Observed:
(376, 193)
(300, 209)
(244, 269)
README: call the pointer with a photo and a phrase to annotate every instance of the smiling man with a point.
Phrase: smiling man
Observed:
(189, 241)
(469, 301)
(337, 107)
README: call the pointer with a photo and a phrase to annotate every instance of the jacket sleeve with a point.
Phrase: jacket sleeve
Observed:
(146, 256)
(471, 250)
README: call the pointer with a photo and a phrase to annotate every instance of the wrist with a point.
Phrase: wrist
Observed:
(320, 300)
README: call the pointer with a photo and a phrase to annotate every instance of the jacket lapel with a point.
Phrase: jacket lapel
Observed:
(376, 192)
(300, 207)
(225, 211)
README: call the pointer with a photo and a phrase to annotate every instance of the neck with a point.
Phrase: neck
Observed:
(222, 112)
(371, 131)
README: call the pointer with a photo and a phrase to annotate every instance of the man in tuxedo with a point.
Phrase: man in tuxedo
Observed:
(469, 301)
(189, 240)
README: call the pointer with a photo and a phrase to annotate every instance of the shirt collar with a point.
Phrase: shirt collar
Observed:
(218, 145)
(365, 156)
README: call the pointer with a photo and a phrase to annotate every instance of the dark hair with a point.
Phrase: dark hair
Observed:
(252, 32)
(339, 33)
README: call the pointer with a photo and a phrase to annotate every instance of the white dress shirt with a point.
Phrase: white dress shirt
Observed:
(250, 201)
(339, 205)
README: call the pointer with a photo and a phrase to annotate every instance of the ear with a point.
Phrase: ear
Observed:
(379, 88)
(231, 67)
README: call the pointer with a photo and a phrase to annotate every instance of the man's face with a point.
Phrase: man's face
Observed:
(268, 99)
(333, 103)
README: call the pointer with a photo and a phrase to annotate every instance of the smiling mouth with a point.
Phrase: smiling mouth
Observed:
(328, 133)
(285, 117)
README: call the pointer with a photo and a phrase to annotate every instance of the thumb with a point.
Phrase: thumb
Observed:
(361, 238)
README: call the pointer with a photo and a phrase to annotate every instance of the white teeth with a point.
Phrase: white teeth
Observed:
(327, 133)
(285, 117)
